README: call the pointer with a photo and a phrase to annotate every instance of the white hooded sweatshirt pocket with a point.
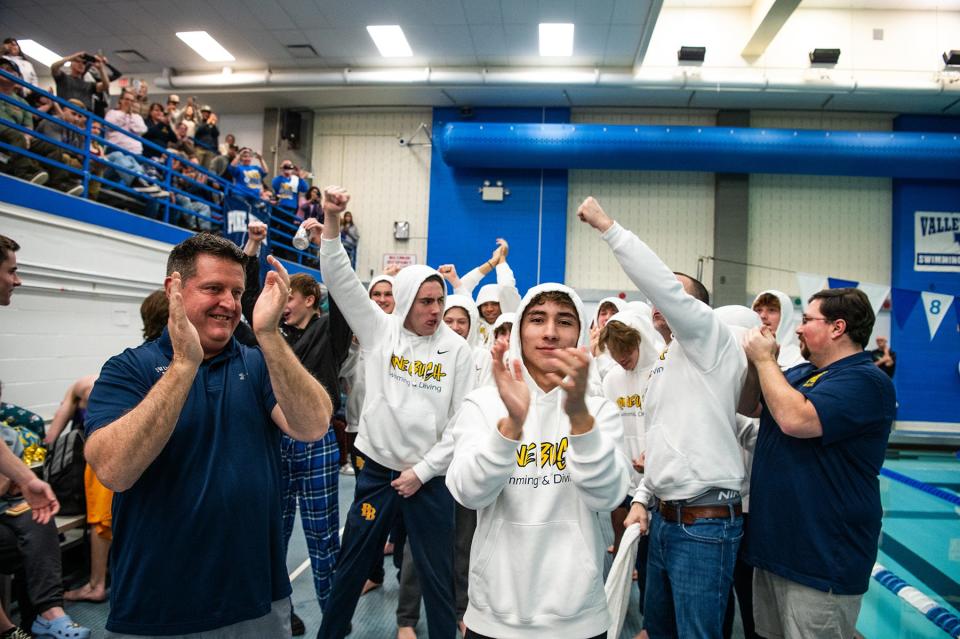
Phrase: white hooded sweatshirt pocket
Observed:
(558, 563)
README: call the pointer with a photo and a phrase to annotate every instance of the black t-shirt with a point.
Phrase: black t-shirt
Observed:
(877, 354)
(69, 88)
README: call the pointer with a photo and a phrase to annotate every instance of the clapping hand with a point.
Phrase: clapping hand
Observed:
(513, 392)
(273, 298)
(574, 365)
(183, 334)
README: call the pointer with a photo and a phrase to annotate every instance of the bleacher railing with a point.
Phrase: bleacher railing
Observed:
(217, 204)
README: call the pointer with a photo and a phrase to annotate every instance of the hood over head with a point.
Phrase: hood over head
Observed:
(616, 301)
(464, 302)
(739, 318)
(786, 331)
(488, 293)
(505, 318)
(380, 278)
(639, 316)
(515, 351)
(407, 283)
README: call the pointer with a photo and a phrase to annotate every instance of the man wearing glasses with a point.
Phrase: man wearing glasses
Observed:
(290, 188)
(815, 499)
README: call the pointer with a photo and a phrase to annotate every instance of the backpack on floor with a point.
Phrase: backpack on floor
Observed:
(63, 470)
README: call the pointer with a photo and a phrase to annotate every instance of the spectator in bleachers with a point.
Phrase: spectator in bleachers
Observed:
(189, 118)
(142, 105)
(289, 187)
(159, 131)
(183, 142)
(12, 52)
(228, 141)
(194, 203)
(124, 118)
(207, 136)
(97, 152)
(174, 112)
(349, 237)
(312, 206)
(247, 176)
(73, 84)
(44, 125)
(22, 166)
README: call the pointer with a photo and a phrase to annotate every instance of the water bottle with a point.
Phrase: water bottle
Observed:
(301, 241)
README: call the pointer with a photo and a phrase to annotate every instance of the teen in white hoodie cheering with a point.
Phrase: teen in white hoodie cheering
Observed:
(417, 372)
(694, 469)
(539, 460)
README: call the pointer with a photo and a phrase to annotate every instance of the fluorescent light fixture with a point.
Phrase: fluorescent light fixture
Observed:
(390, 41)
(556, 39)
(38, 52)
(204, 44)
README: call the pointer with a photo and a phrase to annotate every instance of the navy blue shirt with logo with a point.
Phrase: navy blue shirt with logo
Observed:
(815, 503)
(197, 540)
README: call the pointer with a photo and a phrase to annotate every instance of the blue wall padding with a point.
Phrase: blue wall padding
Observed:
(690, 148)
(533, 218)
(927, 380)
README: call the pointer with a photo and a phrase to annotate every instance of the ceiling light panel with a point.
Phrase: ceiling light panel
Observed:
(38, 52)
(390, 40)
(556, 39)
(204, 44)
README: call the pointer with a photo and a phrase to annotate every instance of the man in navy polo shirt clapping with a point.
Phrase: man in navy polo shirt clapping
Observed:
(814, 494)
(186, 430)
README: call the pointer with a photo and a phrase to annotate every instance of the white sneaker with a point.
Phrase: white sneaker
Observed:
(347, 469)
(75, 190)
(40, 177)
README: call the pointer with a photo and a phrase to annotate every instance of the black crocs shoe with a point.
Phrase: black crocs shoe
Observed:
(297, 629)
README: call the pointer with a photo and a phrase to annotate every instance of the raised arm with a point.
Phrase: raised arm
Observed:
(703, 336)
(55, 68)
(469, 281)
(365, 318)
(303, 407)
(506, 282)
(120, 451)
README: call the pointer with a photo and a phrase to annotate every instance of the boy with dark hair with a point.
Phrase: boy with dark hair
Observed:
(539, 459)
(418, 371)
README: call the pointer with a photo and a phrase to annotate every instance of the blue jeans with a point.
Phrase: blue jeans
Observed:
(689, 576)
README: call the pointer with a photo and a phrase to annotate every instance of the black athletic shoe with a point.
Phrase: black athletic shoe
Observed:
(296, 625)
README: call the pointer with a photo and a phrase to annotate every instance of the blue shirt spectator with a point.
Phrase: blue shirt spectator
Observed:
(289, 188)
(248, 177)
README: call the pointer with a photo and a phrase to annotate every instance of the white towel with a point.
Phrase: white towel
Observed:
(620, 580)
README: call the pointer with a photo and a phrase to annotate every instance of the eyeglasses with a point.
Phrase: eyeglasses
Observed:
(287, 168)
(807, 318)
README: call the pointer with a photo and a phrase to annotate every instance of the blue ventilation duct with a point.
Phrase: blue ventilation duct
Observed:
(690, 148)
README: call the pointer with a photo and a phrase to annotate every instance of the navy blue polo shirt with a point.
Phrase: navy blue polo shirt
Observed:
(815, 503)
(197, 540)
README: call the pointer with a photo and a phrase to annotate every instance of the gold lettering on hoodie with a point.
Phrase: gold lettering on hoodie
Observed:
(417, 368)
(631, 401)
(551, 454)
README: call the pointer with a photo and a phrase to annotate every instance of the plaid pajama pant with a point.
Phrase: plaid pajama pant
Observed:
(310, 474)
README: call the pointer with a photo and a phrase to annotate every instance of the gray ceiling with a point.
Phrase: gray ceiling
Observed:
(442, 33)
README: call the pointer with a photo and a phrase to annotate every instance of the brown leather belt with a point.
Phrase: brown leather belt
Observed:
(689, 514)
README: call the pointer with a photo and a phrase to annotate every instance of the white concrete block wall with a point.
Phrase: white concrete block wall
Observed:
(670, 210)
(837, 226)
(387, 182)
(78, 306)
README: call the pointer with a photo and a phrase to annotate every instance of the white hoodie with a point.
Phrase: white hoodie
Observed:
(351, 372)
(414, 384)
(691, 399)
(786, 331)
(482, 361)
(625, 388)
(536, 564)
(604, 362)
(503, 292)
(741, 319)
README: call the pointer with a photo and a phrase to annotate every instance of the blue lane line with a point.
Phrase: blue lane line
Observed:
(919, 485)
(943, 618)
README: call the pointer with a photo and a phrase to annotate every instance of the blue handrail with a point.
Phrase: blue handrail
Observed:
(217, 191)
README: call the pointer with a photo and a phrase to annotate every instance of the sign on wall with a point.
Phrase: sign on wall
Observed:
(399, 259)
(936, 241)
